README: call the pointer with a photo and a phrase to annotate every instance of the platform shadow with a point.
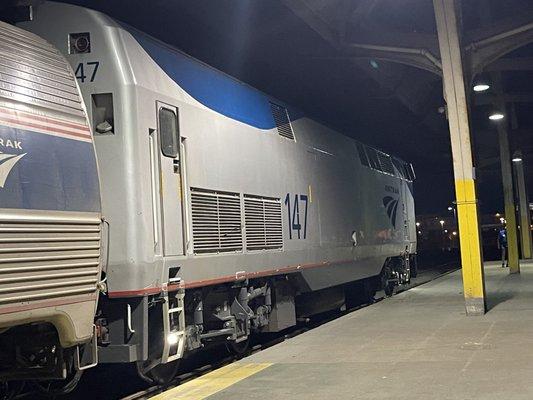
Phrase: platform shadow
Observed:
(494, 299)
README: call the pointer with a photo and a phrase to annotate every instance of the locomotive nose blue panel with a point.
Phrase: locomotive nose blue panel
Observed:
(46, 172)
(212, 88)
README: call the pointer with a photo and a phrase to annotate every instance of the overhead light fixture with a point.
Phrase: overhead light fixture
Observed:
(481, 87)
(496, 116)
(450, 208)
(516, 159)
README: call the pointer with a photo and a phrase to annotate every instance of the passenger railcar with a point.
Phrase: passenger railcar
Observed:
(50, 213)
(229, 212)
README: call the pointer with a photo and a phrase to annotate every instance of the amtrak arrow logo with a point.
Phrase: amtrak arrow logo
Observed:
(7, 162)
(391, 205)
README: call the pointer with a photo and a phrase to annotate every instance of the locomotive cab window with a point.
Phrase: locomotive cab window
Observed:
(168, 132)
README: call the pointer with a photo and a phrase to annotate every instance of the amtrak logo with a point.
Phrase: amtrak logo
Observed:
(7, 162)
(391, 205)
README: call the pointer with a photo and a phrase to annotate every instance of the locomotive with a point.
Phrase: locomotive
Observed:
(230, 212)
(50, 215)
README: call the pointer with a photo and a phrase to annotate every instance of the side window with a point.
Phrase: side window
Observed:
(409, 172)
(168, 132)
(386, 163)
(399, 166)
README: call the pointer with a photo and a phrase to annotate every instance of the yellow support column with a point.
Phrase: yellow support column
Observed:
(508, 198)
(465, 188)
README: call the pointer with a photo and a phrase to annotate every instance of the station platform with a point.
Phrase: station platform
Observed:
(416, 345)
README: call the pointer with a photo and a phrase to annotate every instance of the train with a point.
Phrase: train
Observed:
(227, 212)
(51, 228)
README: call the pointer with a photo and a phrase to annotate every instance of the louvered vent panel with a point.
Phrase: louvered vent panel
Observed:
(281, 118)
(263, 223)
(43, 259)
(216, 221)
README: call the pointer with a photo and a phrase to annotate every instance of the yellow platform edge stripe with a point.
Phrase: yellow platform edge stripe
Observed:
(213, 382)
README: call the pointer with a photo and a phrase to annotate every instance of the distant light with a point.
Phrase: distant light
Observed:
(502, 220)
(441, 222)
(418, 224)
(498, 215)
(481, 87)
(516, 159)
(454, 233)
(374, 64)
(496, 116)
(419, 232)
(450, 208)
(445, 230)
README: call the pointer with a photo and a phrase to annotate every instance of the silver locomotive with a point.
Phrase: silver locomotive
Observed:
(229, 211)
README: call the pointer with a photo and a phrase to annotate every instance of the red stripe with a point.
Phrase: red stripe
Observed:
(45, 128)
(46, 119)
(224, 279)
(44, 304)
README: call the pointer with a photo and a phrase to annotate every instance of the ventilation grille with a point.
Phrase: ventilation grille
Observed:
(42, 260)
(216, 221)
(263, 223)
(281, 118)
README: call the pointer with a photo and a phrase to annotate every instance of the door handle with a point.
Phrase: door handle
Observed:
(176, 165)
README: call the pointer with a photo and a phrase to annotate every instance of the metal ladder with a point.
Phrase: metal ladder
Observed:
(173, 351)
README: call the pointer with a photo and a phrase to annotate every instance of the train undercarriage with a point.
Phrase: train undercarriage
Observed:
(155, 332)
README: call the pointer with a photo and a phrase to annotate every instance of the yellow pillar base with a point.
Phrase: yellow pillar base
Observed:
(471, 261)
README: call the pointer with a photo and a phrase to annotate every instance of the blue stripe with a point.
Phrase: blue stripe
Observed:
(55, 174)
(212, 88)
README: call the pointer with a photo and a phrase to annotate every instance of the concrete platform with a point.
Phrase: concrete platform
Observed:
(416, 345)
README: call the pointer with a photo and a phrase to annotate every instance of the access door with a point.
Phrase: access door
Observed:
(170, 180)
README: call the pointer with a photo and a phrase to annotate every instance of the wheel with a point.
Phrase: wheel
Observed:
(386, 284)
(161, 374)
(239, 348)
(389, 289)
(57, 388)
